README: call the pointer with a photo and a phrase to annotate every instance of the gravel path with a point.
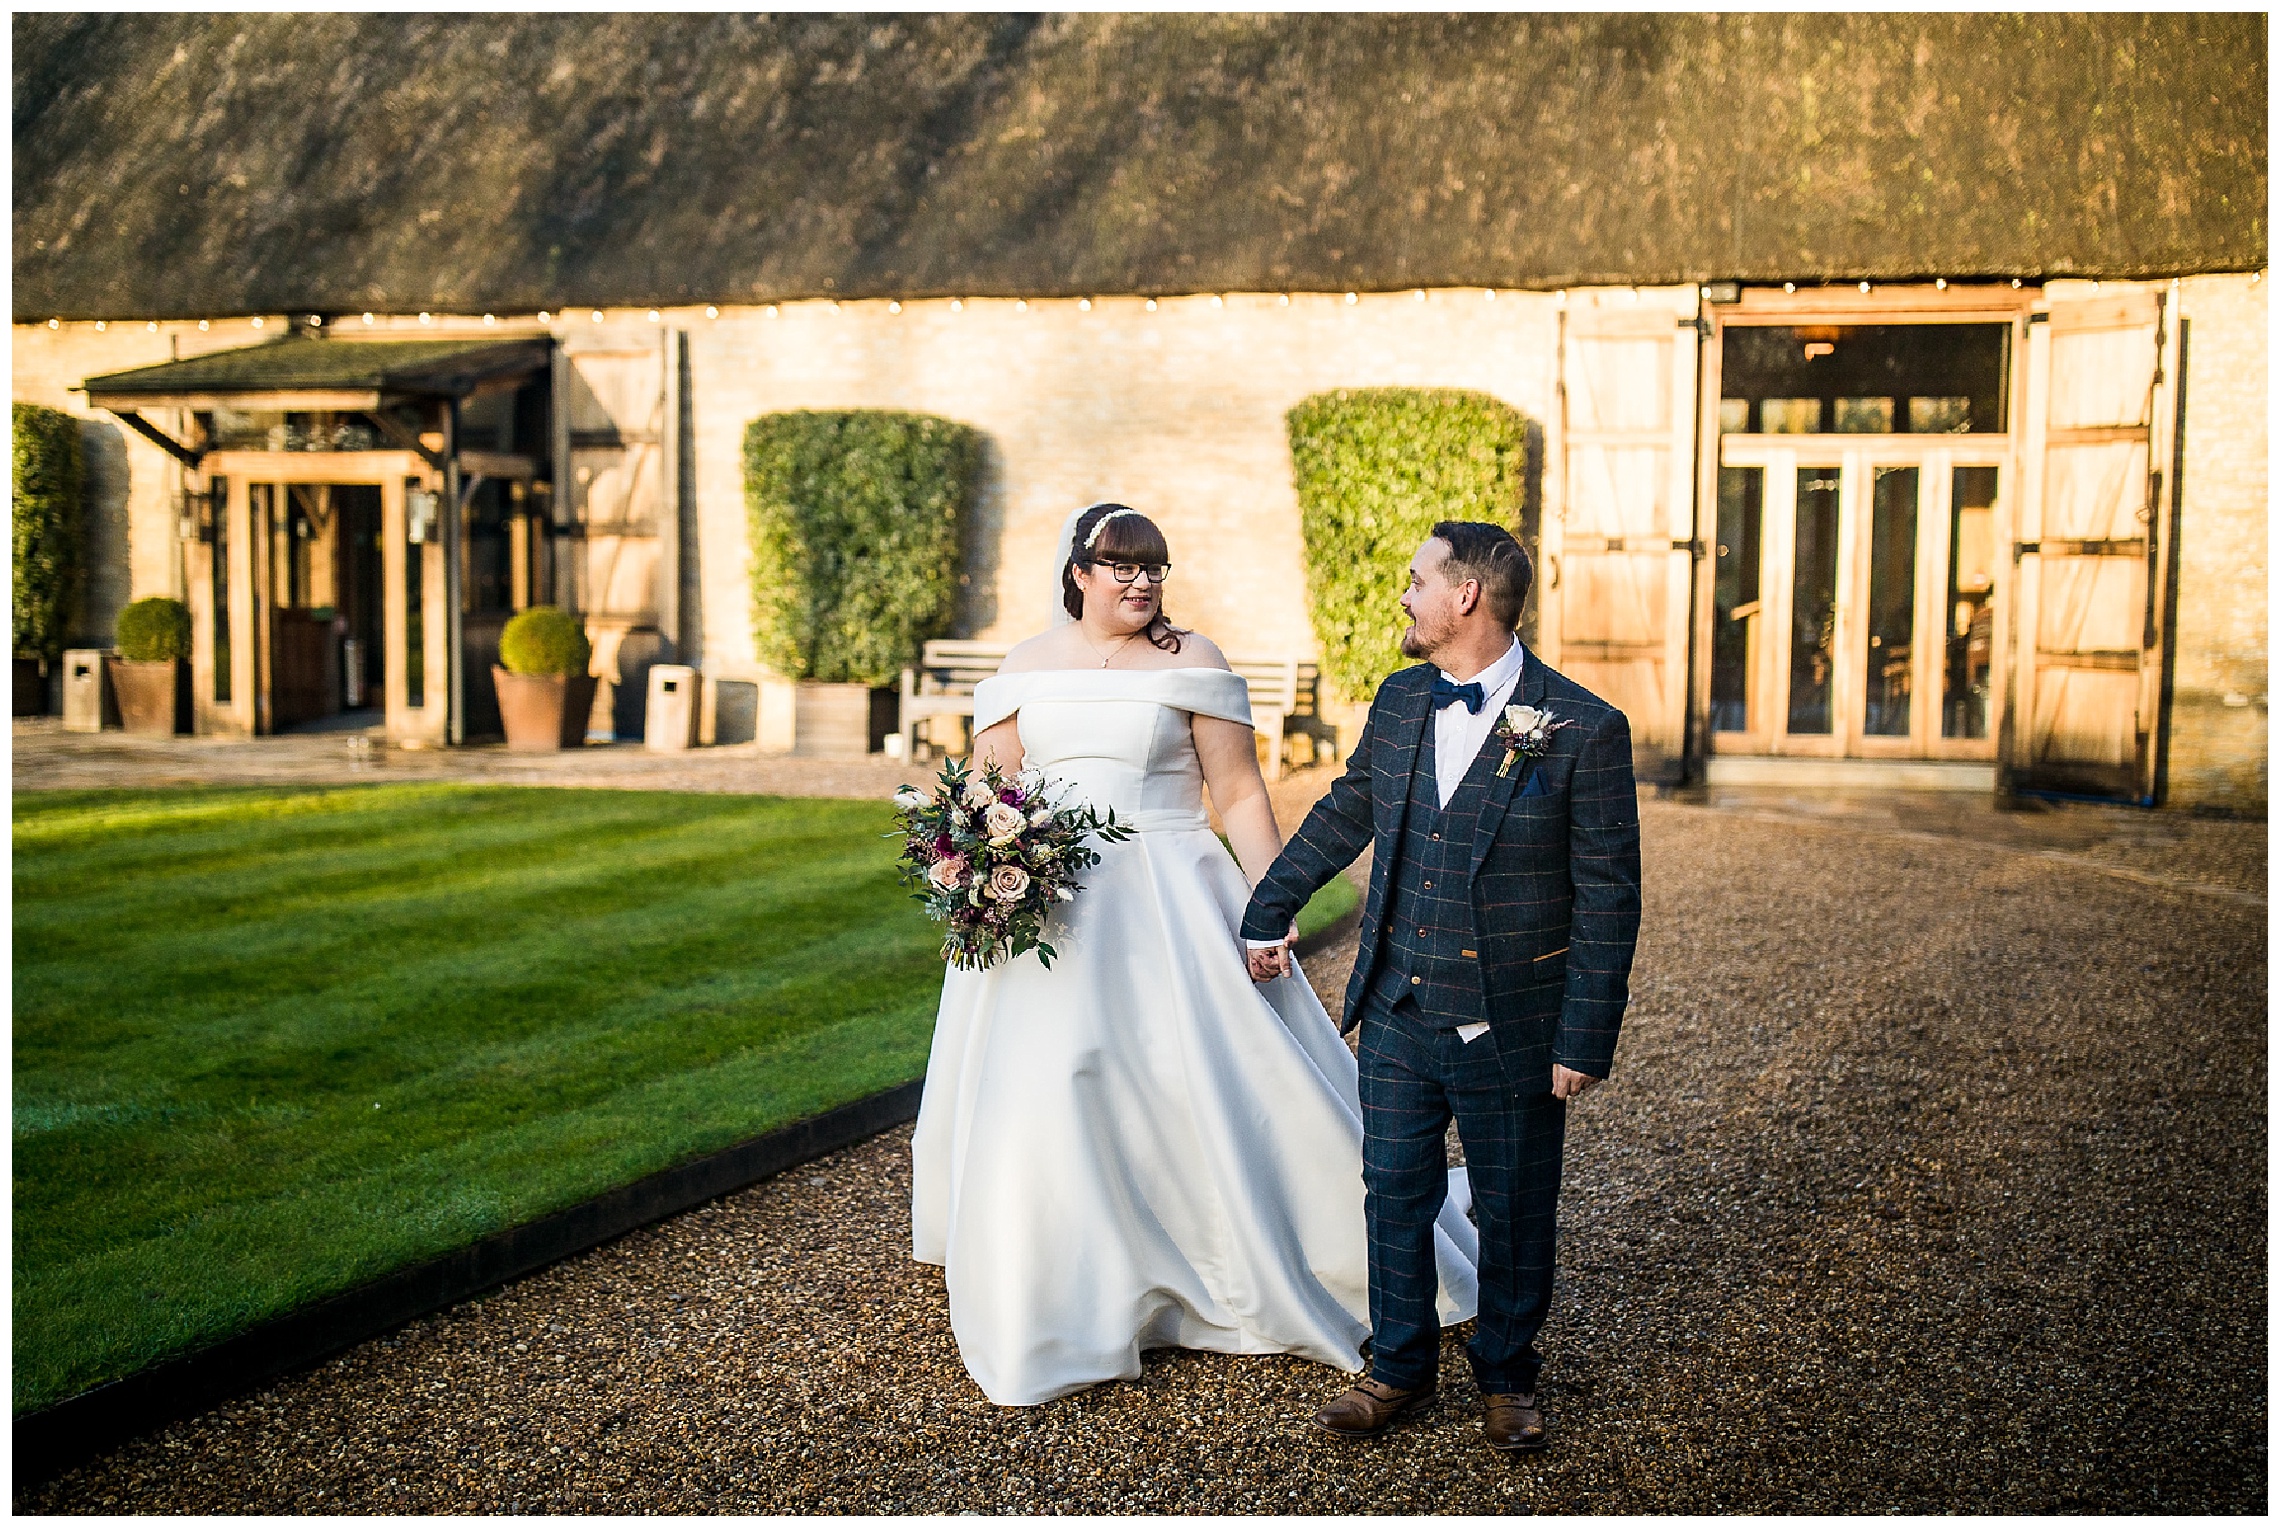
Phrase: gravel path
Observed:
(1932, 1178)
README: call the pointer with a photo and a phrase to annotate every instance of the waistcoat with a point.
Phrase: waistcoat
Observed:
(1427, 937)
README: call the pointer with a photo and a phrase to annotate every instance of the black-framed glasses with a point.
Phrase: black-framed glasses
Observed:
(1129, 572)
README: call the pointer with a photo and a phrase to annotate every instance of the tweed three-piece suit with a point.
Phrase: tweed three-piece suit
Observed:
(1517, 906)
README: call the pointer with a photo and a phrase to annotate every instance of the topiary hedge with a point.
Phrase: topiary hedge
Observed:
(545, 639)
(154, 630)
(1375, 467)
(45, 522)
(855, 520)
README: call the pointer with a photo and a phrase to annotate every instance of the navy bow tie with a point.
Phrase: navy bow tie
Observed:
(1446, 693)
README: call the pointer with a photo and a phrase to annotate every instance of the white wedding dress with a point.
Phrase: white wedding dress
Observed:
(1141, 1147)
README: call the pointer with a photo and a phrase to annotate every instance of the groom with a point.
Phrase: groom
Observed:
(1494, 965)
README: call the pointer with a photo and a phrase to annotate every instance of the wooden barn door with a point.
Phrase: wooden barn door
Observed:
(2086, 684)
(617, 523)
(1619, 552)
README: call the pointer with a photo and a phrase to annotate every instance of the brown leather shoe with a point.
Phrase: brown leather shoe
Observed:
(1512, 1423)
(1369, 1408)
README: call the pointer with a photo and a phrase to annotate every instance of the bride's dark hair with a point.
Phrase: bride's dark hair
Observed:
(1130, 537)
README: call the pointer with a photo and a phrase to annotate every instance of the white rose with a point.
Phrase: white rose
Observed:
(1003, 823)
(977, 793)
(1523, 718)
(1009, 883)
(910, 798)
(946, 872)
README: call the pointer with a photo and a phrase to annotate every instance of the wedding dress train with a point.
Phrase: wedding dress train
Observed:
(1141, 1147)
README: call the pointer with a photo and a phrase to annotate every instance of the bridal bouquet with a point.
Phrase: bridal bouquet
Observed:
(991, 857)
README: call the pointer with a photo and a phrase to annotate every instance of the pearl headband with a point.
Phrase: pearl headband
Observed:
(1103, 520)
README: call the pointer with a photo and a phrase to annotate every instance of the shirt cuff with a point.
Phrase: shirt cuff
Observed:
(1264, 944)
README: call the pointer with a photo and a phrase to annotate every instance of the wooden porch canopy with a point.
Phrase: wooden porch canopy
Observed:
(300, 373)
(409, 390)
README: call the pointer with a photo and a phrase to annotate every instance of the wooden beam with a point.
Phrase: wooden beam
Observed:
(392, 427)
(188, 456)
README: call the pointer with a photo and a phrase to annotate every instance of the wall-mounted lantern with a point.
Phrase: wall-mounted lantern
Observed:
(420, 506)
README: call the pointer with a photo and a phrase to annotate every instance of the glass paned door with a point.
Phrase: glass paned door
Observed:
(1855, 599)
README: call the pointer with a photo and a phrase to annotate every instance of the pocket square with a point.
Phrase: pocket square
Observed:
(1536, 784)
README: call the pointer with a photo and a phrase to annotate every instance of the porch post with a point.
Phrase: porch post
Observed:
(243, 676)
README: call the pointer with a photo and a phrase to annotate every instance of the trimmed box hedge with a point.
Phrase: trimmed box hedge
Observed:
(154, 630)
(856, 519)
(1375, 468)
(45, 528)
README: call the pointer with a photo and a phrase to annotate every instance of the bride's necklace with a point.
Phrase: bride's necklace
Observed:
(1112, 653)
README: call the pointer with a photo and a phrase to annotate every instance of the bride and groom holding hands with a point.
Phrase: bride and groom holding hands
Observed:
(1162, 1140)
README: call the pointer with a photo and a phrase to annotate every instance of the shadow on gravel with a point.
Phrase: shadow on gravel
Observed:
(1931, 1179)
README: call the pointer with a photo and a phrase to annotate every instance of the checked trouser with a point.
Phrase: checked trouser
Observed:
(1413, 1080)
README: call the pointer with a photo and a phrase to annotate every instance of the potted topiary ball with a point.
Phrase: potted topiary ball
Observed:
(153, 642)
(545, 692)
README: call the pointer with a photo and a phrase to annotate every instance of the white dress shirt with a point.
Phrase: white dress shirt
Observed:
(1458, 734)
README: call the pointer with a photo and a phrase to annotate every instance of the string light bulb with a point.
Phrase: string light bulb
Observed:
(1151, 304)
(98, 326)
(1283, 301)
(772, 311)
(1218, 301)
(368, 319)
(1420, 294)
(1020, 305)
(1351, 299)
(542, 315)
(1489, 293)
(1941, 284)
(1789, 286)
(957, 305)
(151, 327)
(1864, 286)
(653, 315)
(894, 307)
(1084, 305)
(597, 315)
(711, 311)
(202, 326)
(490, 319)
(57, 323)
(427, 318)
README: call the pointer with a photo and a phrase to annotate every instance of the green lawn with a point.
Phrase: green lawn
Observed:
(272, 1043)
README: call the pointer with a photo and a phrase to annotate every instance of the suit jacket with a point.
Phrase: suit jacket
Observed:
(1555, 867)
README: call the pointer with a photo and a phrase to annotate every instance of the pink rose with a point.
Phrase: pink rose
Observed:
(946, 874)
(1009, 883)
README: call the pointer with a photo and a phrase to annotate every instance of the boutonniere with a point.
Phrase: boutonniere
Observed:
(1525, 732)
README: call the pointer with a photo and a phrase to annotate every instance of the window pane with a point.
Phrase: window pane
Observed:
(1864, 416)
(1939, 416)
(1970, 604)
(1790, 416)
(1891, 601)
(1741, 498)
(1813, 602)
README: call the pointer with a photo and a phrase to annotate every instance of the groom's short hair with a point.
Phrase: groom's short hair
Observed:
(1489, 556)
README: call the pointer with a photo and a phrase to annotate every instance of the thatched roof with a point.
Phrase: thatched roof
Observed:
(203, 164)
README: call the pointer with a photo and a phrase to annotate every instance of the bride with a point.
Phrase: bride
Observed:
(1140, 1148)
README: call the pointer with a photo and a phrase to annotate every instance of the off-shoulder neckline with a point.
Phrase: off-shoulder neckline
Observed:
(1176, 669)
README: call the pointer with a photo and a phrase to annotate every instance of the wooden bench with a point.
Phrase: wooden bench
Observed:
(1285, 698)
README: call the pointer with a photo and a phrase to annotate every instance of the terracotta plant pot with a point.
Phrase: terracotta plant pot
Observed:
(543, 713)
(146, 694)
